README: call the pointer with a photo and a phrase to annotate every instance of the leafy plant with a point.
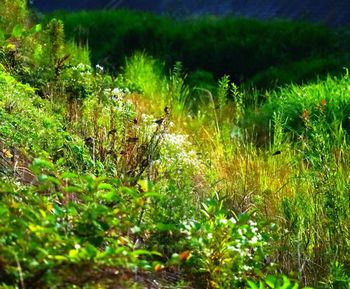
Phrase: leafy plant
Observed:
(65, 224)
(226, 248)
(276, 283)
(104, 179)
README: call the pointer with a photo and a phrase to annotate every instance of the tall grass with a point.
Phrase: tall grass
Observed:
(297, 180)
(300, 180)
(217, 191)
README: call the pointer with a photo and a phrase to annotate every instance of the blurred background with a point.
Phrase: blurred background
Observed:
(334, 13)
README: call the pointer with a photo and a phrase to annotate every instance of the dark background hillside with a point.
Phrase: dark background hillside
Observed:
(334, 13)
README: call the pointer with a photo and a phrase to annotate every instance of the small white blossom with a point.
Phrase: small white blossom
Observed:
(99, 68)
(117, 91)
(253, 240)
(223, 221)
(246, 268)
(233, 220)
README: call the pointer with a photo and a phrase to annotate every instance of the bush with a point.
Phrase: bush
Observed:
(68, 230)
(226, 248)
(321, 105)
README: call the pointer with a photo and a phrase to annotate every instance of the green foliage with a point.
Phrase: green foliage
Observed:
(223, 90)
(126, 162)
(239, 105)
(145, 74)
(226, 248)
(30, 124)
(177, 90)
(13, 17)
(276, 51)
(201, 79)
(78, 81)
(67, 224)
(315, 117)
(321, 105)
(299, 72)
(55, 31)
(274, 282)
(339, 277)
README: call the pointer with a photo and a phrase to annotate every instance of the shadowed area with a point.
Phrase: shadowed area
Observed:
(333, 13)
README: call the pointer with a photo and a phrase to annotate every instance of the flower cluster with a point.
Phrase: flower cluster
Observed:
(178, 153)
(229, 248)
(116, 94)
(83, 69)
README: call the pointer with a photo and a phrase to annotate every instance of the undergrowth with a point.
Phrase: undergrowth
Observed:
(144, 180)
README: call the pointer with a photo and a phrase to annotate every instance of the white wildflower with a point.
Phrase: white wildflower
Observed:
(246, 268)
(253, 240)
(223, 221)
(117, 91)
(99, 68)
(233, 220)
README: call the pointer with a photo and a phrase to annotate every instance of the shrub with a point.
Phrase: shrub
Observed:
(226, 248)
(68, 230)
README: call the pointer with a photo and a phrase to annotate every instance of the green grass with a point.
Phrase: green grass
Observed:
(150, 176)
(32, 125)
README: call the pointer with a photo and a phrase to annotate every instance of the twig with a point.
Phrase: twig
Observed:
(20, 273)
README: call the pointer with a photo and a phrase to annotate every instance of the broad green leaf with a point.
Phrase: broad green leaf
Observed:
(73, 189)
(35, 228)
(69, 175)
(135, 229)
(37, 28)
(165, 227)
(252, 285)
(73, 254)
(287, 284)
(271, 281)
(152, 195)
(105, 186)
(17, 31)
(132, 193)
(108, 252)
(53, 180)
(110, 196)
(145, 252)
(60, 258)
(42, 178)
(43, 213)
(91, 250)
(3, 210)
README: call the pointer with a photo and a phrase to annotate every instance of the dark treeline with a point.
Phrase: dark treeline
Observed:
(264, 53)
